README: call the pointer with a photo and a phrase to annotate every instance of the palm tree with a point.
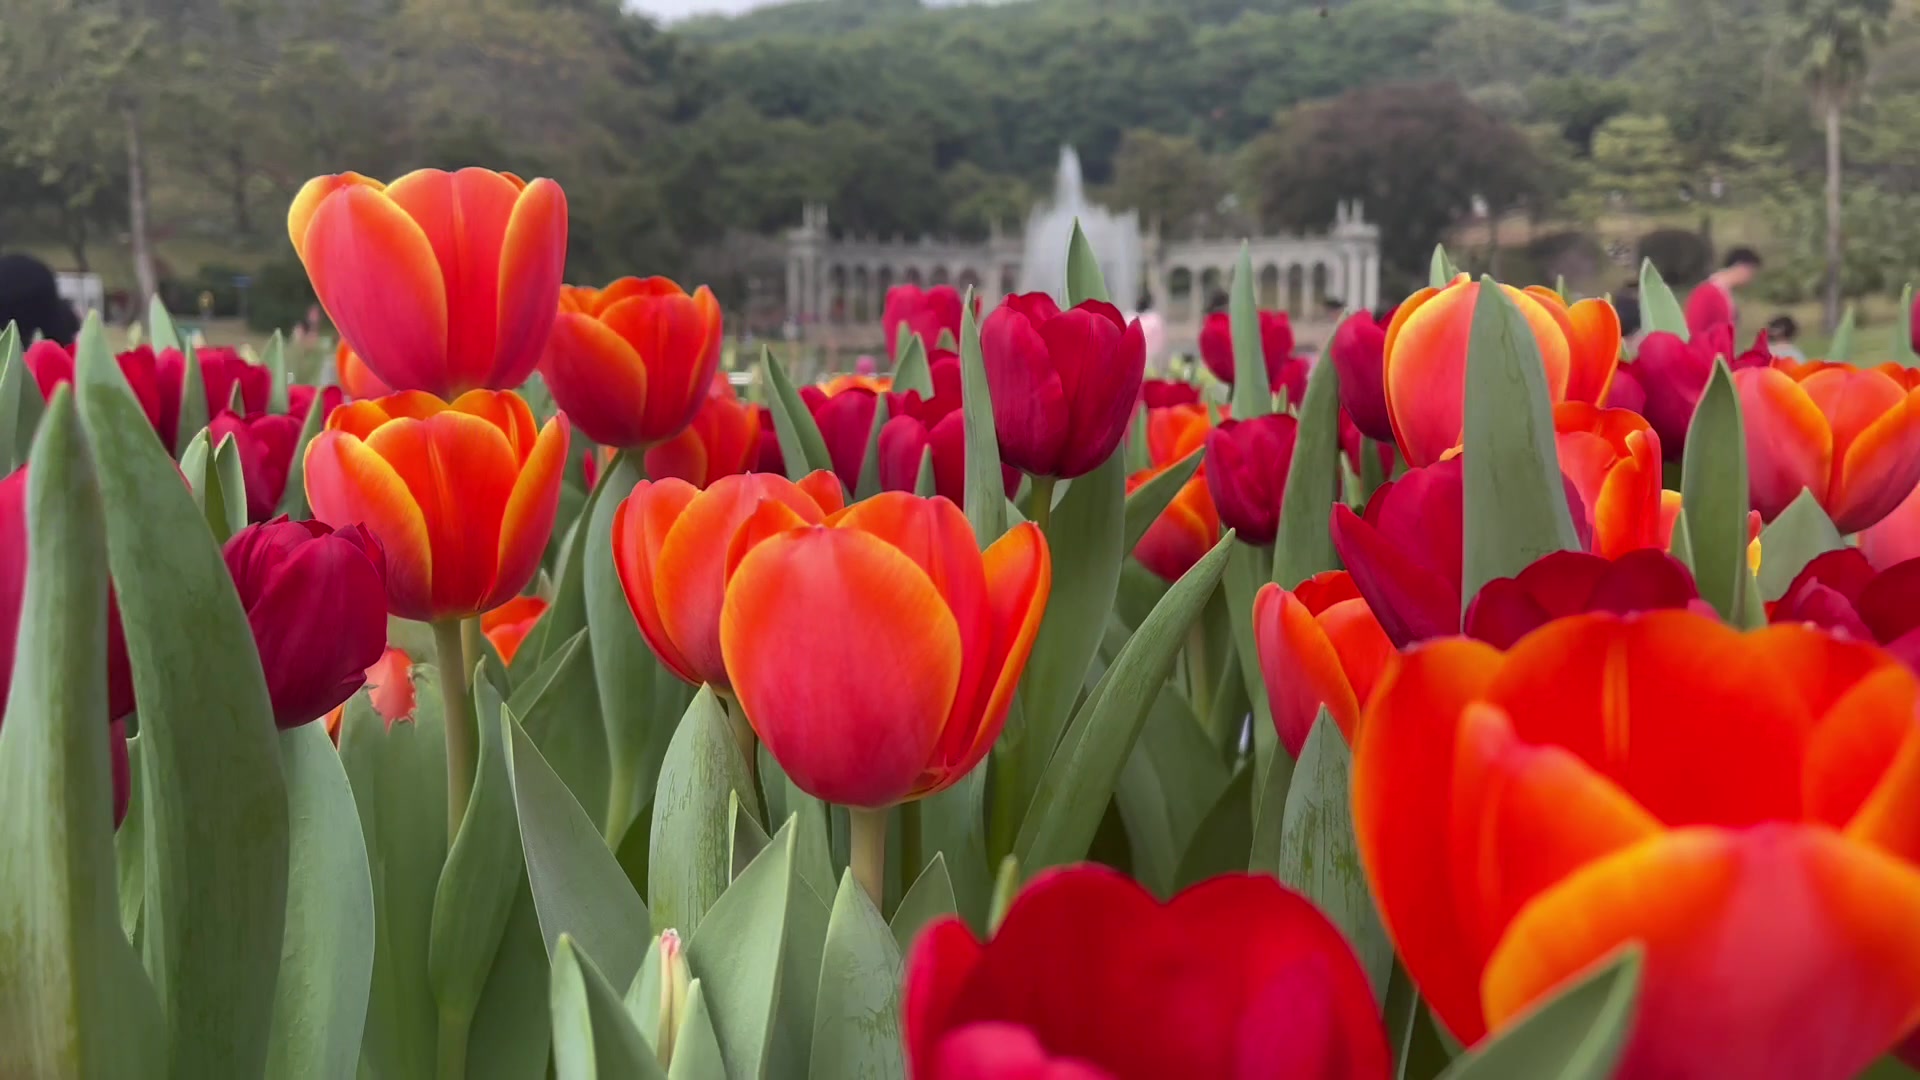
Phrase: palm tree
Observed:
(1836, 38)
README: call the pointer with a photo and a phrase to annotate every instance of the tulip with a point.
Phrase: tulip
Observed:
(300, 401)
(1351, 447)
(1670, 516)
(222, 369)
(723, 440)
(770, 459)
(1670, 373)
(266, 443)
(1063, 384)
(1841, 591)
(1425, 370)
(1626, 392)
(1566, 583)
(872, 384)
(1276, 350)
(461, 495)
(1183, 533)
(443, 282)
(389, 691)
(845, 421)
(1612, 458)
(1320, 647)
(1247, 473)
(1405, 553)
(355, 377)
(904, 439)
(507, 625)
(632, 363)
(1358, 351)
(1739, 804)
(925, 312)
(671, 546)
(316, 600)
(1175, 431)
(875, 655)
(1161, 393)
(1090, 977)
(51, 365)
(1851, 437)
(1896, 537)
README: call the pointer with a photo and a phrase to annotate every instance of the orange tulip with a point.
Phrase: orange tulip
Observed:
(1174, 431)
(508, 625)
(1741, 804)
(875, 655)
(839, 384)
(1320, 645)
(1183, 533)
(356, 379)
(1850, 436)
(671, 543)
(462, 496)
(1426, 358)
(443, 282)
(724, 439)
(1612, 456)
(631, 363)
(389, 690)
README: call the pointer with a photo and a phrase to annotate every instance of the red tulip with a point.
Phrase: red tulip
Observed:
(317, 601)
(1064, 384)
(769, 458)
(1359, 350)
(221, 369)
(1612, 458)
(845, 421)
(1319, 645)
(507, 625)
(631, 364)
(1183, 533)
(1626, 391)
(1350, 446)
(926, 312)
(1276, 348)
(723, 440)
(51, 365)
(1090, 978)
(904, 438)
(300, 401)
(1841, 591)
(1247, 473)
(1161, 393)
(266, 443)
(1896, 537)
(443, 282)
(1670, 374)
(1405, 553)
(1566, 583)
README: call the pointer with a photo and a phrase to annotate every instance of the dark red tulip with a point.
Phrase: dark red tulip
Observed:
(1091, 978)
(1064, 384)
(221, 369)
(904, 438)
(266, 442)
(1672, 373)
(52, 364)
(1571, 582)
(1359, 355)
(316, 598)
(300, 400)
(1247, 473)
(1625, 392)
(770, 459)
(1160, 393)
(1350, 445)
(1841, 591)
(1276, 347)
(926, 312)
(845, 421)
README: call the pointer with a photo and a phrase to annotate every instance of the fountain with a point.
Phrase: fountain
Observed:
(1115, 239)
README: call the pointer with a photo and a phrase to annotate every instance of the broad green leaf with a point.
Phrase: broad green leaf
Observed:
(910, 367)
(194, 414)
(20, 403)
(578, 887)
(160, 332)
(1440, 268)
(1171, 780)
(1801, 532)
(1713, 500)
(567, 609)
(1304, 546)
(791, 1045)
(559, 707)
(643, 997)
(130, 850)
(592, 1034)
(1248, 568)
(1006, 886)
(801, 444)
(399, 778)
(326, 962)
(696, 1047)
(216, 870)
(1578, 1034)
(952, 826)
(276, 365)
(1220, 844)
(1252, 396)
(1419, 1050)
(738, 954)
(986, 496)
(1840, 349)
(923, 482)
(1270, 812)
(1658, 308)
(1084, 279)
(510, 1035)
(928, 898)
(856, 1020)
(1147, 502)
(73, 999)
(1079, 779)
(227, 495)
(691, 832)
(293, 500)
(813, 855)
(1516, 504)
(1889, 1068)
(1903, 340)
(868, 485)
(745, 838)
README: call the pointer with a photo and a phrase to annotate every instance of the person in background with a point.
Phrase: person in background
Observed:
(1711, 302)
(1781, 330)
(30, 297)
(1626, 304)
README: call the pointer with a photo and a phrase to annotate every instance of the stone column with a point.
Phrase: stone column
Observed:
(794, 297)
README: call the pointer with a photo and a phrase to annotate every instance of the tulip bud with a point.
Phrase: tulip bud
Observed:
(1276, 351)
(1359, 355)
(674, 983)
(1247, 473)
(1064, 384)
(316, 600)
(926, 312)
(266, 443)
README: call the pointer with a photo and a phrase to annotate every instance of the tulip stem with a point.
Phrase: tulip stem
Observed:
(453, 1045)
(868, 832)
(462, 736)
(1040, 503)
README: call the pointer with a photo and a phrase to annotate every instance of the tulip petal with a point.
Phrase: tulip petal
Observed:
(1412, 601)
(463, 523)
(348, 483)
(937, 968)
(810, 616)
(1100, 364)
(1301, 668)
(507, 411)
(997, 1051)
(1595, 353)
(315, 631)
(1855, 746)
(1019, 576)
(640, 527)
(677, 338)
(825, 490)
(464, 215)
(1789, 444)
(1889, 819)
(308, 199)
(533, 256)
(1878, 468)
(527, 523)
(1029, 401)
(599, 377)
(374, 270)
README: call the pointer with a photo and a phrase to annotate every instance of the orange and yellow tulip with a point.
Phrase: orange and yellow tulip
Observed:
(724, 439)
(461, 495)
(443, 282)
(876, 655)
(631, 363)
(1426, 358)
(508, 625)
(1612, 458)
(671, 545)
(1319, 645)
(1850, 436)
(1174, 431)
(1740, 804)
(1183, 533)
(356, 379)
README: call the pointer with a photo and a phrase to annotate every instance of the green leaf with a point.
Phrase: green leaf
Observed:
(691, 831)
(1516, 503)
(1576, 1035)
(592, 1034)
(567, 610)
(910, 368)
(1658, 308)
(510, 1034)
(293, 500)
(578, 887)
(216, 852)
(1171, 780)
(1440, 268)
(856, 1020)
(160, 332)
(1903, 341)
(800, 440)
(1079, 779)
(1713, 494)
(227, 496)
(746, 839)
(1147, 502)
(20, 402)
(738, 953)
(1840, 349)
(1304, 546)
(1220, 844)
(952, 825)
(194, 414)
(1252, 396)
(1084, 279)
(73, 999)
(130, 850)
(1006, 886)
(868, 484)
(923, 482)
(1801, 532)
(1248, 568)
(929, 898)
(986, 495)
(559, 707)
(1270, 812)
(696, 1047)
(276, 364)
(326, 962)
(813, 854)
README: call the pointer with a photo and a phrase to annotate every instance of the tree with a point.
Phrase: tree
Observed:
(1637, 159)
(1168, 178)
